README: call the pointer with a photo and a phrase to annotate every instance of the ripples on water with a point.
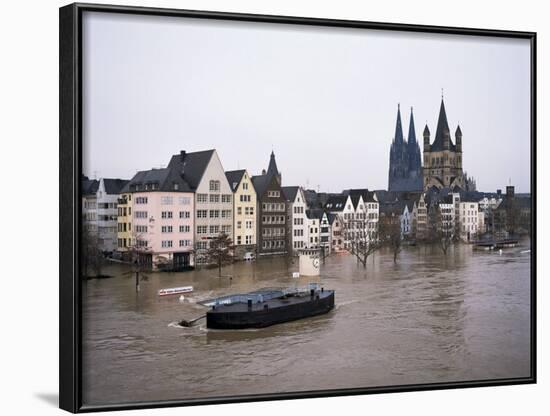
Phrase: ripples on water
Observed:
(428, 318)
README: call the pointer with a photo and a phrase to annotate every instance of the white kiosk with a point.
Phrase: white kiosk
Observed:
(310, 261)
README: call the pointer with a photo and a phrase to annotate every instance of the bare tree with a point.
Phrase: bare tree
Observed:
(137, 251)
(390, 233)
(92, 259)
(441, 229)
(361, 242)
(221, 251)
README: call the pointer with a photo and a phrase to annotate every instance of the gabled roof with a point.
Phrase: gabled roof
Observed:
(368, 196)
(290, 192)
(89, 186)
(234, 178)
(336, 203)
(262, 182)
(114, 186)
(315, 213)
(165, 180)
(331, 217)
(191, 166)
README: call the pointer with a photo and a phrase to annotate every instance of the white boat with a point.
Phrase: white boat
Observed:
(175, 290)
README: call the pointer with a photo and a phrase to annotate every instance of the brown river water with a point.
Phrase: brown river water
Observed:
(429, 318)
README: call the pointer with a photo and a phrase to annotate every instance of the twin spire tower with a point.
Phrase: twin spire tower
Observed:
(405, 173)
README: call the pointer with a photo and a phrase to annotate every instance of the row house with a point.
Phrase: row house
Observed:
(297, 221)
(367, 204)
(272, 211)
(314, 227)
(470, 220)
(244, 211)
(213, 197)
(420, 218)
(336, 232)
(160, 204)
(341, 207)
(99, 209)
(124, 222)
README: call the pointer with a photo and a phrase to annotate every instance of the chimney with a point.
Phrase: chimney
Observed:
(499, 192)
(509, 192)
(182, 155)
(263, 172)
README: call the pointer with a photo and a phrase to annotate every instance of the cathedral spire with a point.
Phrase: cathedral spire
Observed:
(411, 139)
(398, 137)
(442, 132)
(272, 169)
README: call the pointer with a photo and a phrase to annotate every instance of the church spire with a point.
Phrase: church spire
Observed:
(398, 137)
(442, 133)
(272, 169)
(411, 139)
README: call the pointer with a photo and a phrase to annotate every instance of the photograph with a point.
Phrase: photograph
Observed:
(274, 208)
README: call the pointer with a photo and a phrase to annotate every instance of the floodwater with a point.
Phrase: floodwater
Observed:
(429, 318)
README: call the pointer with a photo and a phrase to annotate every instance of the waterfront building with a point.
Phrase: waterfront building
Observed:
(468, 215)
(342, 206)
(313, 227)
(513, 215)
(405, 172)
(420, 218)
(124, 221)
(106, 200)
(443, 157)
(244, 211)
(296, 217)
(162, 206)
(89, 204)
(367, 210)
(325, 233)
(272, 212)
(336, 238)
(407, 220)
(204, 173)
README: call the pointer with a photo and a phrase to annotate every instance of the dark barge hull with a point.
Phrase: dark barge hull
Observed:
(240, 316)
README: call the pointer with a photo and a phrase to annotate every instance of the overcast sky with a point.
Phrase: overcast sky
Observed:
(324, 99)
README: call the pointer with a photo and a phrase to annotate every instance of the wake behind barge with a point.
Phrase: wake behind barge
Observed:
(268, 307)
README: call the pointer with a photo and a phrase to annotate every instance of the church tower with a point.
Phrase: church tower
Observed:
(443, 158)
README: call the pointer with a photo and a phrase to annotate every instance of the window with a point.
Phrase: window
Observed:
(239, 224)
(273, 194)
(214, 213)
(239, 239)
(248, 225)
(214, 186)
(166, 229)
(166, 243)
(141, 228)
(248, 239)
(141, 200)
(140, 214)
(185, 214)
(185, 228)
(227, 198)
(245, 186)
(226, 229)
(202, 198)
(166, 214)
(214, 198)
(184, 200)
(185, 243)
(201, 213)
(201, 229)
(239, 210)
(214, 229)
(167, 200)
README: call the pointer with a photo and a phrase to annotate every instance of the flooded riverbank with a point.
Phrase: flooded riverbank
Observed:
(427, 318)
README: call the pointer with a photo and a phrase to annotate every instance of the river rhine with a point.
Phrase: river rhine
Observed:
(429, 318)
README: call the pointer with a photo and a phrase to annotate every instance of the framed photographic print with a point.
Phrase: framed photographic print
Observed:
(261, 207)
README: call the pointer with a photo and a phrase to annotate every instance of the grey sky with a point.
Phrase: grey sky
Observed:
(324, 99)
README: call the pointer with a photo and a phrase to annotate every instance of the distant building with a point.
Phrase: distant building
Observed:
(443, 158)
(204, 173)
(244, 211)
(272, 211)
(513, 215)
(405, 173)
(124, 221)
(296, 217)
(160, 205)
(100, 210)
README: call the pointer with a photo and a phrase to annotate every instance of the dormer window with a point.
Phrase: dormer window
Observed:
(176, 186)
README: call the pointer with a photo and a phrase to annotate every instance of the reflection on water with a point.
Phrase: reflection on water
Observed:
(428, 318)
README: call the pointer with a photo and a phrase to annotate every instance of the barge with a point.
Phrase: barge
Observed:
(268, 307)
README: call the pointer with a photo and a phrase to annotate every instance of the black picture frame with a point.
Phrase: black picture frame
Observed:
(70, 128)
